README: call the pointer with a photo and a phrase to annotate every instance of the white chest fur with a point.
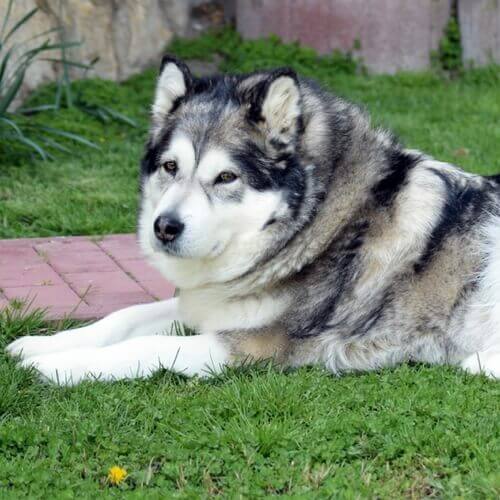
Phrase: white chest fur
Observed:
(207, 311)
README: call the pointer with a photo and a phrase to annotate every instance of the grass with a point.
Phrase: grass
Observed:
(410, 432)
(413, 431)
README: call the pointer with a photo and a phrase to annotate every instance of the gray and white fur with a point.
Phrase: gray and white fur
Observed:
(294, 231)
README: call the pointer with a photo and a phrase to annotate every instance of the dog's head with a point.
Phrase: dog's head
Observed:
(222, 179)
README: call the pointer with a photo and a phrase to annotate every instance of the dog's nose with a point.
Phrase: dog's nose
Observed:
(167, 228)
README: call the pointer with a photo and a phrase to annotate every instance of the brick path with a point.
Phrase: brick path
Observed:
(81, 277)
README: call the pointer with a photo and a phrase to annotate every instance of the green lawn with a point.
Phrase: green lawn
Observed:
(412, 432)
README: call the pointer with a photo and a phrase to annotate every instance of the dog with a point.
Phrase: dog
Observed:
(294, 231)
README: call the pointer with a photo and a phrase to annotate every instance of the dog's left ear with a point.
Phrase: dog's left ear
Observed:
(174, 83)
(274, 105)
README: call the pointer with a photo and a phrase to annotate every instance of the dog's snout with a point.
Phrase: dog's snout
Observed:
(167, 228)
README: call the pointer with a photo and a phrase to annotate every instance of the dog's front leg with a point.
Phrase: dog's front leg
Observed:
(135, 358)
(136, 321)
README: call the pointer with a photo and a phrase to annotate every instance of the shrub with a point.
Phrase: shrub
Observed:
(15, 127)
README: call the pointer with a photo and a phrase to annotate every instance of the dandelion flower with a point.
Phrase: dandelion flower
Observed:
(116, 475)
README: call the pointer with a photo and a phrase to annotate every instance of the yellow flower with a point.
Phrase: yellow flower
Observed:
(116, 475)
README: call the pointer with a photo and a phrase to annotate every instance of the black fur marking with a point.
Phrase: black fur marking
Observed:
(255, 166)
(262, 173)
(293, 178)
(278, 144)
(400, 164)
(494, 179)
(216, 88)
(149, 162)
(270, 222)
(176, 103)
(463, 207)
(367, 321)
(339, 259)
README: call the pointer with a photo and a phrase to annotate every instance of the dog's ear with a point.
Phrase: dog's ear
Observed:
(174, 82)
(274, 105)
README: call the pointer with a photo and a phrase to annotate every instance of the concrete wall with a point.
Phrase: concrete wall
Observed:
(394, 34)
(480, 29)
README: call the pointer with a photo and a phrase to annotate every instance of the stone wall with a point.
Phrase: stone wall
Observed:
(126, 35)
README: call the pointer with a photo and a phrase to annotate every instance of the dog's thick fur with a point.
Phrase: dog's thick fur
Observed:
(326, 243)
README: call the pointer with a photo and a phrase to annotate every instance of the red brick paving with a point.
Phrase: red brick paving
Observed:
(79, 277)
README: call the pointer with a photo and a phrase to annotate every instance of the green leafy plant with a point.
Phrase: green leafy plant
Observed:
(448, 57)
(247, 55)
(14, 62)
(65, 97)
(15, 127)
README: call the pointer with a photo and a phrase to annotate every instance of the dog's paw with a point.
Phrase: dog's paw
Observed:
(61, 368)
(29, 346)
(485, 362)
(39, 345)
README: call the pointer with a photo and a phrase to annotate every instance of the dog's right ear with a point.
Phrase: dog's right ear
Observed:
(174, 83)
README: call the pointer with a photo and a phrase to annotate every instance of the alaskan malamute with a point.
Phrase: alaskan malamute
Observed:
(294, 231)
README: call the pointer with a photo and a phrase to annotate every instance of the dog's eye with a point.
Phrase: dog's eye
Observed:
(225, 178)
(170, 166)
